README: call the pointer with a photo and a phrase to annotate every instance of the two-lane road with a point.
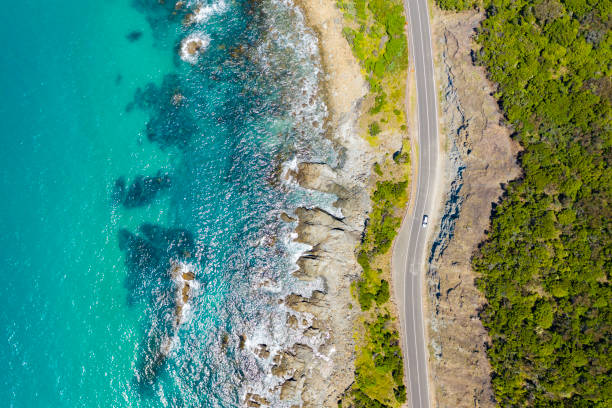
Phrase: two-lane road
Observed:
(410, 247)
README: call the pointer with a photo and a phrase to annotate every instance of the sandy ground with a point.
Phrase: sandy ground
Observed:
(344, 82)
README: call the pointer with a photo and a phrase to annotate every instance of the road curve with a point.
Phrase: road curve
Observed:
(411, 245)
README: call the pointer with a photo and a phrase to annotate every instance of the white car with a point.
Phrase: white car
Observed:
(425, 220)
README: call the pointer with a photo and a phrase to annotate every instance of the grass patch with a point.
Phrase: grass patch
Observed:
(374, 128)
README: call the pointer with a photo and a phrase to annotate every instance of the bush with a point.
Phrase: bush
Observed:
(374, 128)
(382, 295)
(400, 394)
(456, 5)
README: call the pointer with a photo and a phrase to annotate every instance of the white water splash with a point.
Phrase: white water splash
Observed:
(193, 46)
(203, 12)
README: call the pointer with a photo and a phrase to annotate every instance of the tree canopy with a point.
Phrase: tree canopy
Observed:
(545, 266)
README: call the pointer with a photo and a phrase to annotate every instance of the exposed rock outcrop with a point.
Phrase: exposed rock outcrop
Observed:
(319, 367)
(320, 376)
(193, 46)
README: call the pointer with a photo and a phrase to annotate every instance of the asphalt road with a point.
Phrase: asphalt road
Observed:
(411, 246)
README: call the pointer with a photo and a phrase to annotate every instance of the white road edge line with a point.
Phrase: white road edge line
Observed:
(414, 208)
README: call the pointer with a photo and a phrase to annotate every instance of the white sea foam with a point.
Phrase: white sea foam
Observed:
(203, 12)
(305, 197)
(193, 46)
(290, 46)
(289, 51)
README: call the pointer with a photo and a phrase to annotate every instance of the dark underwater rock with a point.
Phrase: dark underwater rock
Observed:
(144, 189)
(171, 122)
(148, 258)
(133, 36)
(118, 190)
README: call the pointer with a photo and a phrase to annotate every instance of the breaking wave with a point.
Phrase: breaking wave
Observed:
(242, 110)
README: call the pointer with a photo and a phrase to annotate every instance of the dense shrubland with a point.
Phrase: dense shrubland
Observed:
(375, 31)
(388, 199)
(457, 5)
(379, 371)
(545, 267)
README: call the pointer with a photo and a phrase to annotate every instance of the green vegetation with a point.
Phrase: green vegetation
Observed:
(379, 364)
(377, 169)
(379, 378)
(388, 198)
(374, 128)
(375, 31)
(457, 5)
(545, 267)
(378, 40)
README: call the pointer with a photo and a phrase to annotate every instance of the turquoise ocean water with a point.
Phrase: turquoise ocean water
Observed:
(120, 160)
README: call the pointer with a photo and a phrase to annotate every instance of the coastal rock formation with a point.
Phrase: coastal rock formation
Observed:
(317, 365)
(142, 191)
(480, 158)
(320, 376)
(317, 376)
(192, 46)
(183, 276)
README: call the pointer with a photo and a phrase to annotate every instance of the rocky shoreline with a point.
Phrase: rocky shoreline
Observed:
(319, 377)
(480, 158)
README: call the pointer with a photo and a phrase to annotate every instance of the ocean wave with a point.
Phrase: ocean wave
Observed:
(234, 323)
(203, 12)
(291, 46)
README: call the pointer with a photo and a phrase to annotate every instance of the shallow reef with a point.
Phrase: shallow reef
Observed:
(142, 191)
